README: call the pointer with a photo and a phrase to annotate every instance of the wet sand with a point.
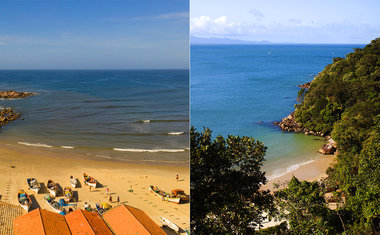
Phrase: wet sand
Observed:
(310, 172)
(17, 163)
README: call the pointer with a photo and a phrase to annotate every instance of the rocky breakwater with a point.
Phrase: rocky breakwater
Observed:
(14, 94)
(9, 114)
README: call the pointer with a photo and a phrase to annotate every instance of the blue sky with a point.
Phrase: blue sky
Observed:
(92, 34)
(295, 21)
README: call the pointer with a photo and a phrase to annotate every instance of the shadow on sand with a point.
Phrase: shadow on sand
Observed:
(35, 204)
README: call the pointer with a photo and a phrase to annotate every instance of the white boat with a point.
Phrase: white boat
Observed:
(53, 204)
(52, 187)
(33, 184)
(163, 195)
(169, 224)
(24, 200)
(73, 182)
(89, 180)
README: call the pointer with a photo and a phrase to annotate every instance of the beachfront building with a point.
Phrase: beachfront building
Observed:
(119, 220)
(129, 220)
(86, 222)
(41, 221)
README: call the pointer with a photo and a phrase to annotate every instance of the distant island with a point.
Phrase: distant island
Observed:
(223, 41)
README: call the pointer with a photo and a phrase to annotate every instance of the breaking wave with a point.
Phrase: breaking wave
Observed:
(35, 144)
(149, 150)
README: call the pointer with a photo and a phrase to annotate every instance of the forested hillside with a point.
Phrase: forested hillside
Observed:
(344, 101)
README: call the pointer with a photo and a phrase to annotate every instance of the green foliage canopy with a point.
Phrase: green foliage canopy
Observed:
(225, 184)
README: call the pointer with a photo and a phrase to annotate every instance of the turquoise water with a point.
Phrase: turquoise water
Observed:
(243, 89)
(103, 113)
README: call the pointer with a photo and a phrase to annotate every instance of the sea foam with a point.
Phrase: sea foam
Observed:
(35, 144)
(149, 150)
(281, 172)
(176, 133)
(67, 147)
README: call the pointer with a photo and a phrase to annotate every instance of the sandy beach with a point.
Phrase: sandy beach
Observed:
(17, 163)
(313, 171)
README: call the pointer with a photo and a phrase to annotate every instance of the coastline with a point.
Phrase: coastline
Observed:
(17, 163)
(315, 170)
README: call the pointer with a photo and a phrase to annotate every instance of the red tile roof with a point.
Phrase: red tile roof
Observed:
(85, 222)
(41, 221)
(128, 220)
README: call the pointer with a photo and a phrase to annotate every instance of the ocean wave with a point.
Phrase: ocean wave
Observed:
(67, 147)
(103, 156)
(149, 121)
(281, 172)
(35, 144)
(149, 150)
(176, 133)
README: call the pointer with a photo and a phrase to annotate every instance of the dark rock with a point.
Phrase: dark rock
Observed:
(306, 85)
(7, 115)
(14, 94)
(328, 148)
(289, 124)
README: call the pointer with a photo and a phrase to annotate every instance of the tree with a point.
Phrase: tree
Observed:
(225, 184)
(303, 205)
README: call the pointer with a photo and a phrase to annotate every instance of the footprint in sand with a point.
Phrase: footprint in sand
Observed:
(145, 200)
(161, 209)
(154, 206)
(150, 203)
(140, 197)
(171, 215)
(165, 212)
(143, 188)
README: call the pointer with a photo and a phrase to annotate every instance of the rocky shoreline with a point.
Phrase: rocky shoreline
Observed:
(9, 114)
(289, 124)
(15, 95)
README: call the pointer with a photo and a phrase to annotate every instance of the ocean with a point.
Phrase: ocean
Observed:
(243, 89)
(139, 115)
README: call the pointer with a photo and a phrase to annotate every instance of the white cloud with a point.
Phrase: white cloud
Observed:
(221, 20)
(205, 25)
(292, 30)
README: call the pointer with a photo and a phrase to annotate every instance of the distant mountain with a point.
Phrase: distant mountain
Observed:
(222, 41)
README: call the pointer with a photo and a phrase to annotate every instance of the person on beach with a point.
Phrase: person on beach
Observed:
(90, 188)
(107, 191)
(110, 199)
(177, 177)
(118, 199)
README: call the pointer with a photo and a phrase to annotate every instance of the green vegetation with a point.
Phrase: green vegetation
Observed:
(343, 101)
(225, 183)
